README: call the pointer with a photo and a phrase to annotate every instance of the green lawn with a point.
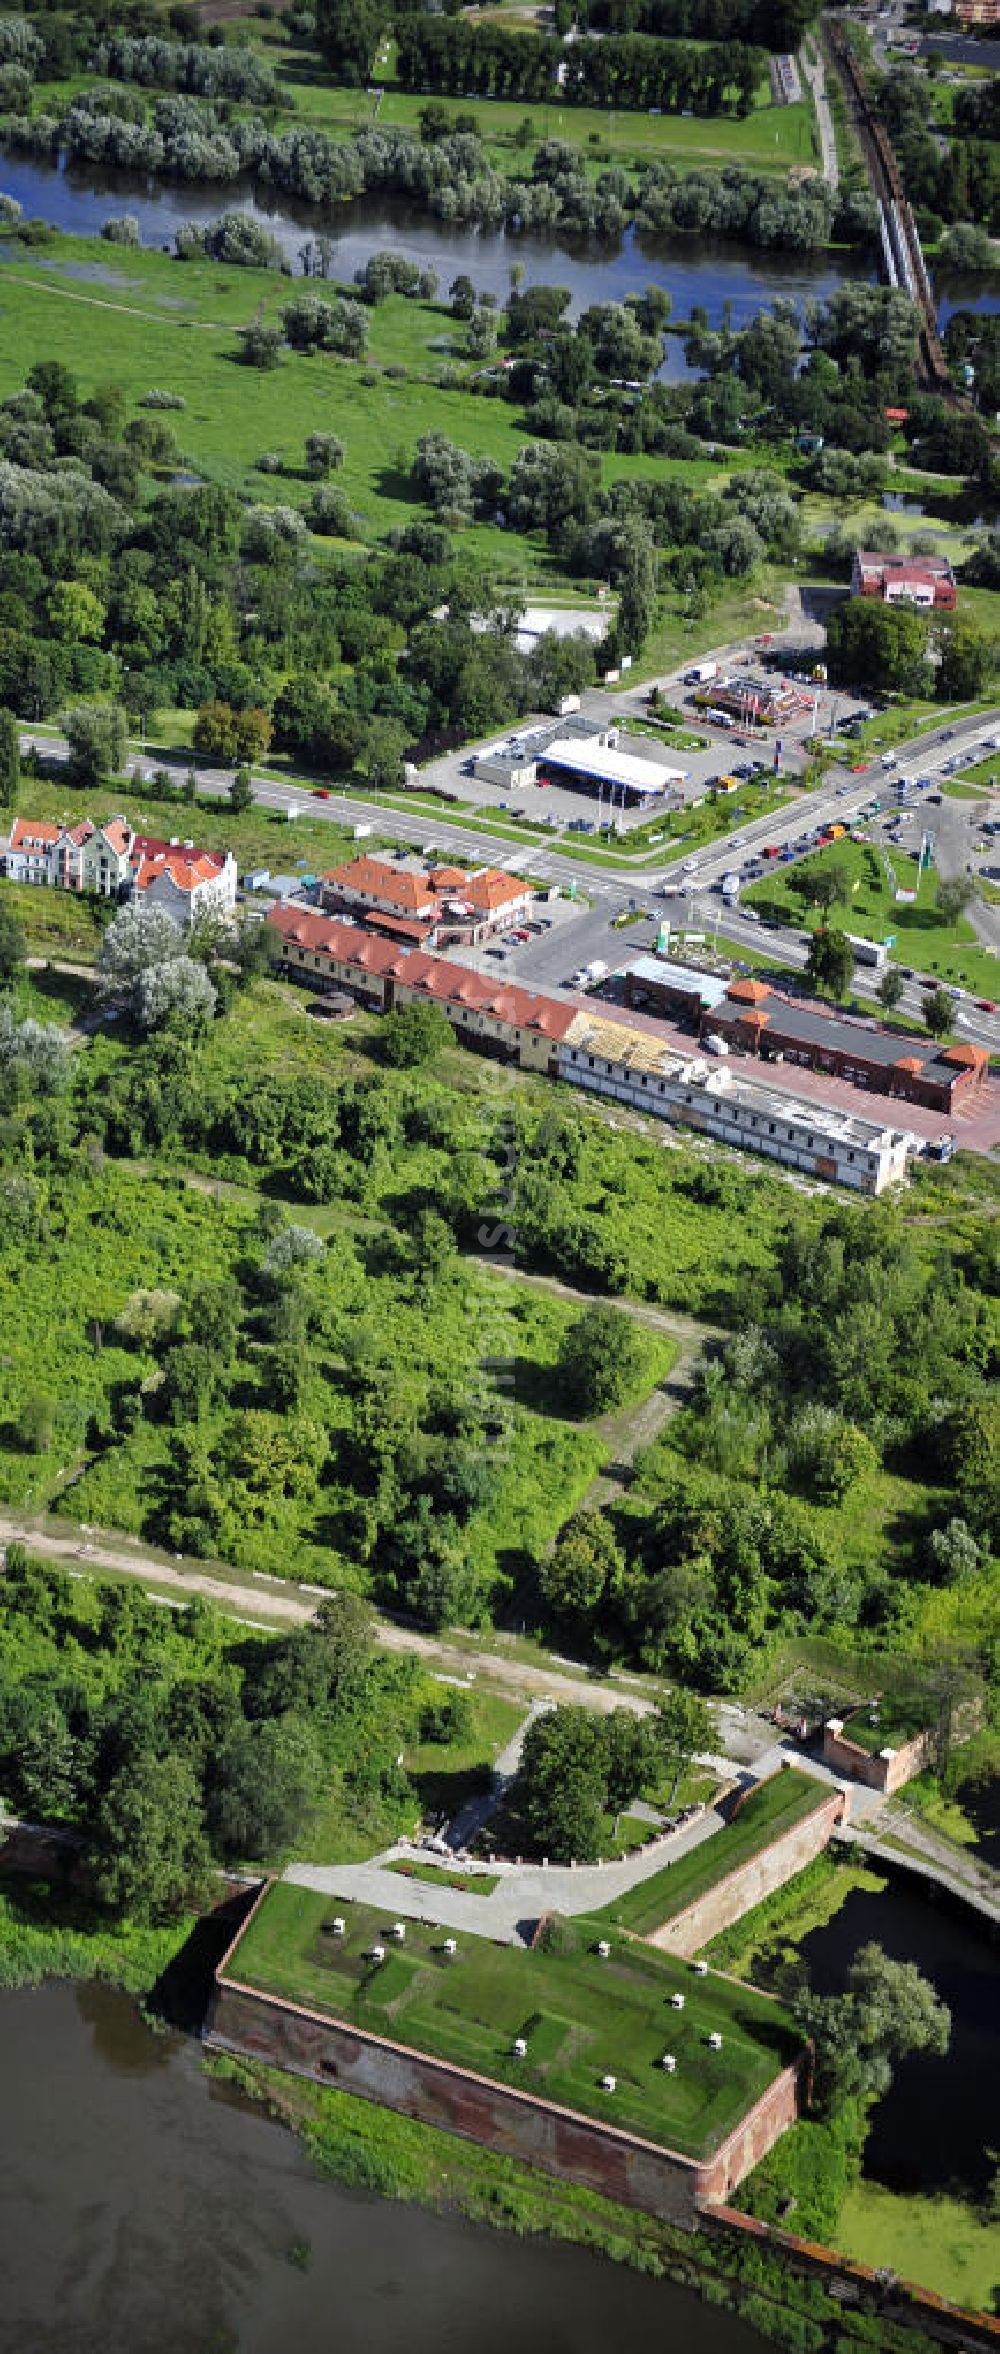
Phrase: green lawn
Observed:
(469, 1883)
(886, 1723)
(925, 939)
(580, 2016)
(770, 139)
(771, 1809)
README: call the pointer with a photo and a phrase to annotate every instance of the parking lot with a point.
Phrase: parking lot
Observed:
(720, 751)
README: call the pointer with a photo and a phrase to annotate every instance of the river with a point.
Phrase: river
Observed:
(694, 271)
(146, 2210)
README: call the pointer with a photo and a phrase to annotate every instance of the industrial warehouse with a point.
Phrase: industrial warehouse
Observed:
(602, 1056)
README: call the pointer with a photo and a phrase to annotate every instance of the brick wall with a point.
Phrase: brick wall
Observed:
(751, 1882)
(878, 1773)
(603, 2158)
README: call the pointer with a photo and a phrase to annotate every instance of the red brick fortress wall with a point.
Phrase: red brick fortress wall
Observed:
(578, 2149)
(728, 1899)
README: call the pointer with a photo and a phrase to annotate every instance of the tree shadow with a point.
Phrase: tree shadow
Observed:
(395, 482)
(181, 1994)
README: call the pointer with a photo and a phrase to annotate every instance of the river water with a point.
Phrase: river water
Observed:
(145, 2210)
(936, 2127)
(694, 272)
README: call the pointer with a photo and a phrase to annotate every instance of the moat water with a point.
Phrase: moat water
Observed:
(146, 2210)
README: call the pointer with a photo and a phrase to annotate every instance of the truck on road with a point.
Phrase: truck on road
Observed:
(700, 673)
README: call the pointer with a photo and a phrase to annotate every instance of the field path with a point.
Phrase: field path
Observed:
(279, 1603)
(99, 302)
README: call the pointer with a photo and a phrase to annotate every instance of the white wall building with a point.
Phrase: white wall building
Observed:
(608, 1059)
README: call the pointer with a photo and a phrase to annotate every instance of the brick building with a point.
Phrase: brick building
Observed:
(500, 1017)
(760, 1021)
(927, 581)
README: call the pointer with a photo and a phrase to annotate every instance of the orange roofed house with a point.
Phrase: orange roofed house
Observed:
(84, 857)
(187, 883)
(499, 1017)
(427, 907)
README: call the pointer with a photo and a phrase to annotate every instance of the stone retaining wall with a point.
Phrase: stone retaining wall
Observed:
(603, 2158)
(749, 1883)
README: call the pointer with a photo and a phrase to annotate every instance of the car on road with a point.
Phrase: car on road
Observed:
(985, 1005)
(321, 792)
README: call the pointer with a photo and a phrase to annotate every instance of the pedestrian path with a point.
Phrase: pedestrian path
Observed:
(523, 1891)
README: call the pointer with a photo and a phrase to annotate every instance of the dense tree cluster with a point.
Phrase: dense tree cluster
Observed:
(166, 1743)
(485, 60)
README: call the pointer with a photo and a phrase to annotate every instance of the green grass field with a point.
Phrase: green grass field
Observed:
(770, 139)
(925, 940)
(886, 1723)
(469, 1883)
(771, 1809)
(580, 2016)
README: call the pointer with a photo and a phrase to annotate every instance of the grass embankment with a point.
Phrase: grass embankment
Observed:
(468, 1883)
(770, 139)
(774, 1807)
(925, 939)
(48, 1932)
(581, 2016)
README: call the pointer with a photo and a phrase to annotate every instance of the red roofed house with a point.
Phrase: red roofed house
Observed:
(186, 882)
(927, 581)
(427, 906)
(83, 857)
(502, 1018)
(26, 856)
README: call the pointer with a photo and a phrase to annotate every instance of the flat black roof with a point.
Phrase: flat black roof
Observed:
(809, 1027)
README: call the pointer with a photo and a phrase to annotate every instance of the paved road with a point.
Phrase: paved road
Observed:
(523, 1892)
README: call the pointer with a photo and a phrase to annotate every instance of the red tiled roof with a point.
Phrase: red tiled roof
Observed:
(434, 976)
(909, 1062)
(33, 833)
(968, 1058)
(492, 889)
(377, 878)
(400, 927)
(748, 992)
(118, 835)
(185, 869)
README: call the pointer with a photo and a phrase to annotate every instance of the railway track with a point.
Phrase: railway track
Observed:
(902, 255)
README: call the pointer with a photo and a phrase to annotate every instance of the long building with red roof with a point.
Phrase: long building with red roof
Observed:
(501, 1017)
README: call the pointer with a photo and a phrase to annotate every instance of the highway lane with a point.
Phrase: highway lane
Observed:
(841, 795)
